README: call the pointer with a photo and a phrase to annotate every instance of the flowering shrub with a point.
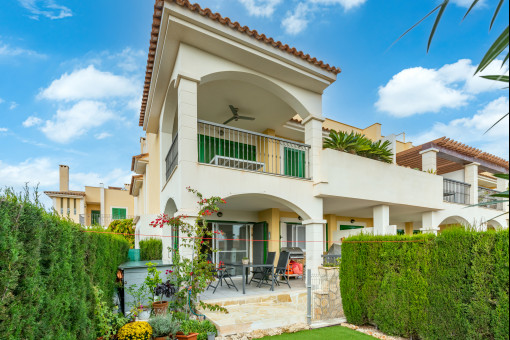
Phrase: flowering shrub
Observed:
(193, 274)
(126, 228)
(135, 331)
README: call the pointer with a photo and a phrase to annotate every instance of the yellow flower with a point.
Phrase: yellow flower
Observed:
(135, 331)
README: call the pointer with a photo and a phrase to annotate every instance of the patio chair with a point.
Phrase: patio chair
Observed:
(221, 274)
(281, 269)
(261, 274)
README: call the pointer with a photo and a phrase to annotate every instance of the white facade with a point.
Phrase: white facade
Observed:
(201, 67)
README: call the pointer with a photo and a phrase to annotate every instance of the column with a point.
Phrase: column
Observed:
(502, 185)
(313, 137)
(471, 177)
(314, 243)
(381, 219)
(429, 224)
(187, 111)
(409, 228)
(429, 160)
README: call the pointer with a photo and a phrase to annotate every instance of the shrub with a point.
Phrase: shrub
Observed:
(48, 270)
(126, 228)
(140, 330)
(446, 287)
(164, 325)
(358, 144)
(151, 249)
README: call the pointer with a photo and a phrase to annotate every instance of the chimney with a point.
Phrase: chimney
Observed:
(64, 178)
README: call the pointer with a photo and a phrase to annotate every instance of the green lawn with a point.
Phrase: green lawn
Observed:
(331, 333)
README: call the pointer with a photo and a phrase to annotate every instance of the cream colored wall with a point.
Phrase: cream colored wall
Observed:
(92, 195)
(272, 217)
(89, 209)
(118, 199)
(153, 175)
(373, 132)
(333, 220)
(401, 146)
(71, 215)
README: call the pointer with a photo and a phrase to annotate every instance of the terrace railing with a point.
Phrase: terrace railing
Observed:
(484, 196)
(171, 158)
(246, 150)
(456, 192)
(98, 219)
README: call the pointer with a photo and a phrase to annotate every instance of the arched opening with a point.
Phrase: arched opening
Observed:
(454, 222)
(494, 225)
(253, 226)
(271, 106)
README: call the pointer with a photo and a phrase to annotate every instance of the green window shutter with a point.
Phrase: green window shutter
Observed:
(294, 162)
(350, 227)
(209, 147)
(95, 217)
(119, 213)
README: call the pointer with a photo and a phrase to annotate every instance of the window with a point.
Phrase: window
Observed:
(401, 232)
(350, 227)
(61, 206)
(119, 213)
(296, 236)
(95, 217)
(75, 206)
(68, 205)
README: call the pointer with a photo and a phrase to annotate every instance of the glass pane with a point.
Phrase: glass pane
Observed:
(233, 244)
(301, 237)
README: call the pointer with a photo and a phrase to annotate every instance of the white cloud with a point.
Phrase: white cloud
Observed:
(46, 8)
(7, 50)
(260, 8)
(466, 3)
(45, 172)
(13, 105)
(130, 60)
(1, 101)
(420, 90)
(4, 129)
(72, 123)
(346, 4)
(102, 135)
(32, 121)
(297, 21)
(89, 83)
(470, 130)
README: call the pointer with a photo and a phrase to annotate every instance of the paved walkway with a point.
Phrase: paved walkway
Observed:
(259, 309)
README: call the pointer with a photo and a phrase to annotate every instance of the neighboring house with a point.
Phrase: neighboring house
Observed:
(94, 205)
(204, 74)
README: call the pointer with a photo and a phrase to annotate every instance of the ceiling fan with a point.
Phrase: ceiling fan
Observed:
(236, 117)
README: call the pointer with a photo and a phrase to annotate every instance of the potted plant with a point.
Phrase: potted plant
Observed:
(137, 309)
(208, 328)
(246, 260)
(152, 281)
(167, 290)
(163, 326)
(188, 330)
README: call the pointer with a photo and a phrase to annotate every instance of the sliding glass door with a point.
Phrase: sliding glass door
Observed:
(232, 244)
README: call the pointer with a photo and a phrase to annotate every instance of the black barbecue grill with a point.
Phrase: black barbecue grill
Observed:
(334, 253)
(296, 253)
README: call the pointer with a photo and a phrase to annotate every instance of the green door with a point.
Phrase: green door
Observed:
(95, 217)
(119, 213)
(295, 162)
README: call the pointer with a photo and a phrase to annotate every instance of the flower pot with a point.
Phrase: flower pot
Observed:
(192, 336)
(211, 336)
(246, 261)
(160, 307)
(144, 315)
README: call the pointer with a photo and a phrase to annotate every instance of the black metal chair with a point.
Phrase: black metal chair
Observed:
(281, 269)
(221, 275)
(261, 274)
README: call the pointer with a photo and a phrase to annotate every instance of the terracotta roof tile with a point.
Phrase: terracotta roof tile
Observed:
(67, 193)
(206, 12)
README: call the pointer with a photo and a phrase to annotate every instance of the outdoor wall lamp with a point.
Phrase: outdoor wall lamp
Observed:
(353, 220)
(219, 214)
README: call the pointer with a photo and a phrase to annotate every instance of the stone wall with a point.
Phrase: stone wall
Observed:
(327, 301)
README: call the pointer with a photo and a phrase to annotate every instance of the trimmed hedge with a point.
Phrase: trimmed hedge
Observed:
(48, 268)
(151, 249)
(451, 286)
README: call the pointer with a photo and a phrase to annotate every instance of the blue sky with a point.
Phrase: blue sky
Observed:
(71, 75)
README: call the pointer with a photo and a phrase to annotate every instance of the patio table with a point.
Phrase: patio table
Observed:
(246, 267)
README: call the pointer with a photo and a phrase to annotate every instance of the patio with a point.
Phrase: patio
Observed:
(258, 309)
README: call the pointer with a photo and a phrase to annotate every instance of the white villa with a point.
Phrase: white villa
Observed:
(233, 113)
